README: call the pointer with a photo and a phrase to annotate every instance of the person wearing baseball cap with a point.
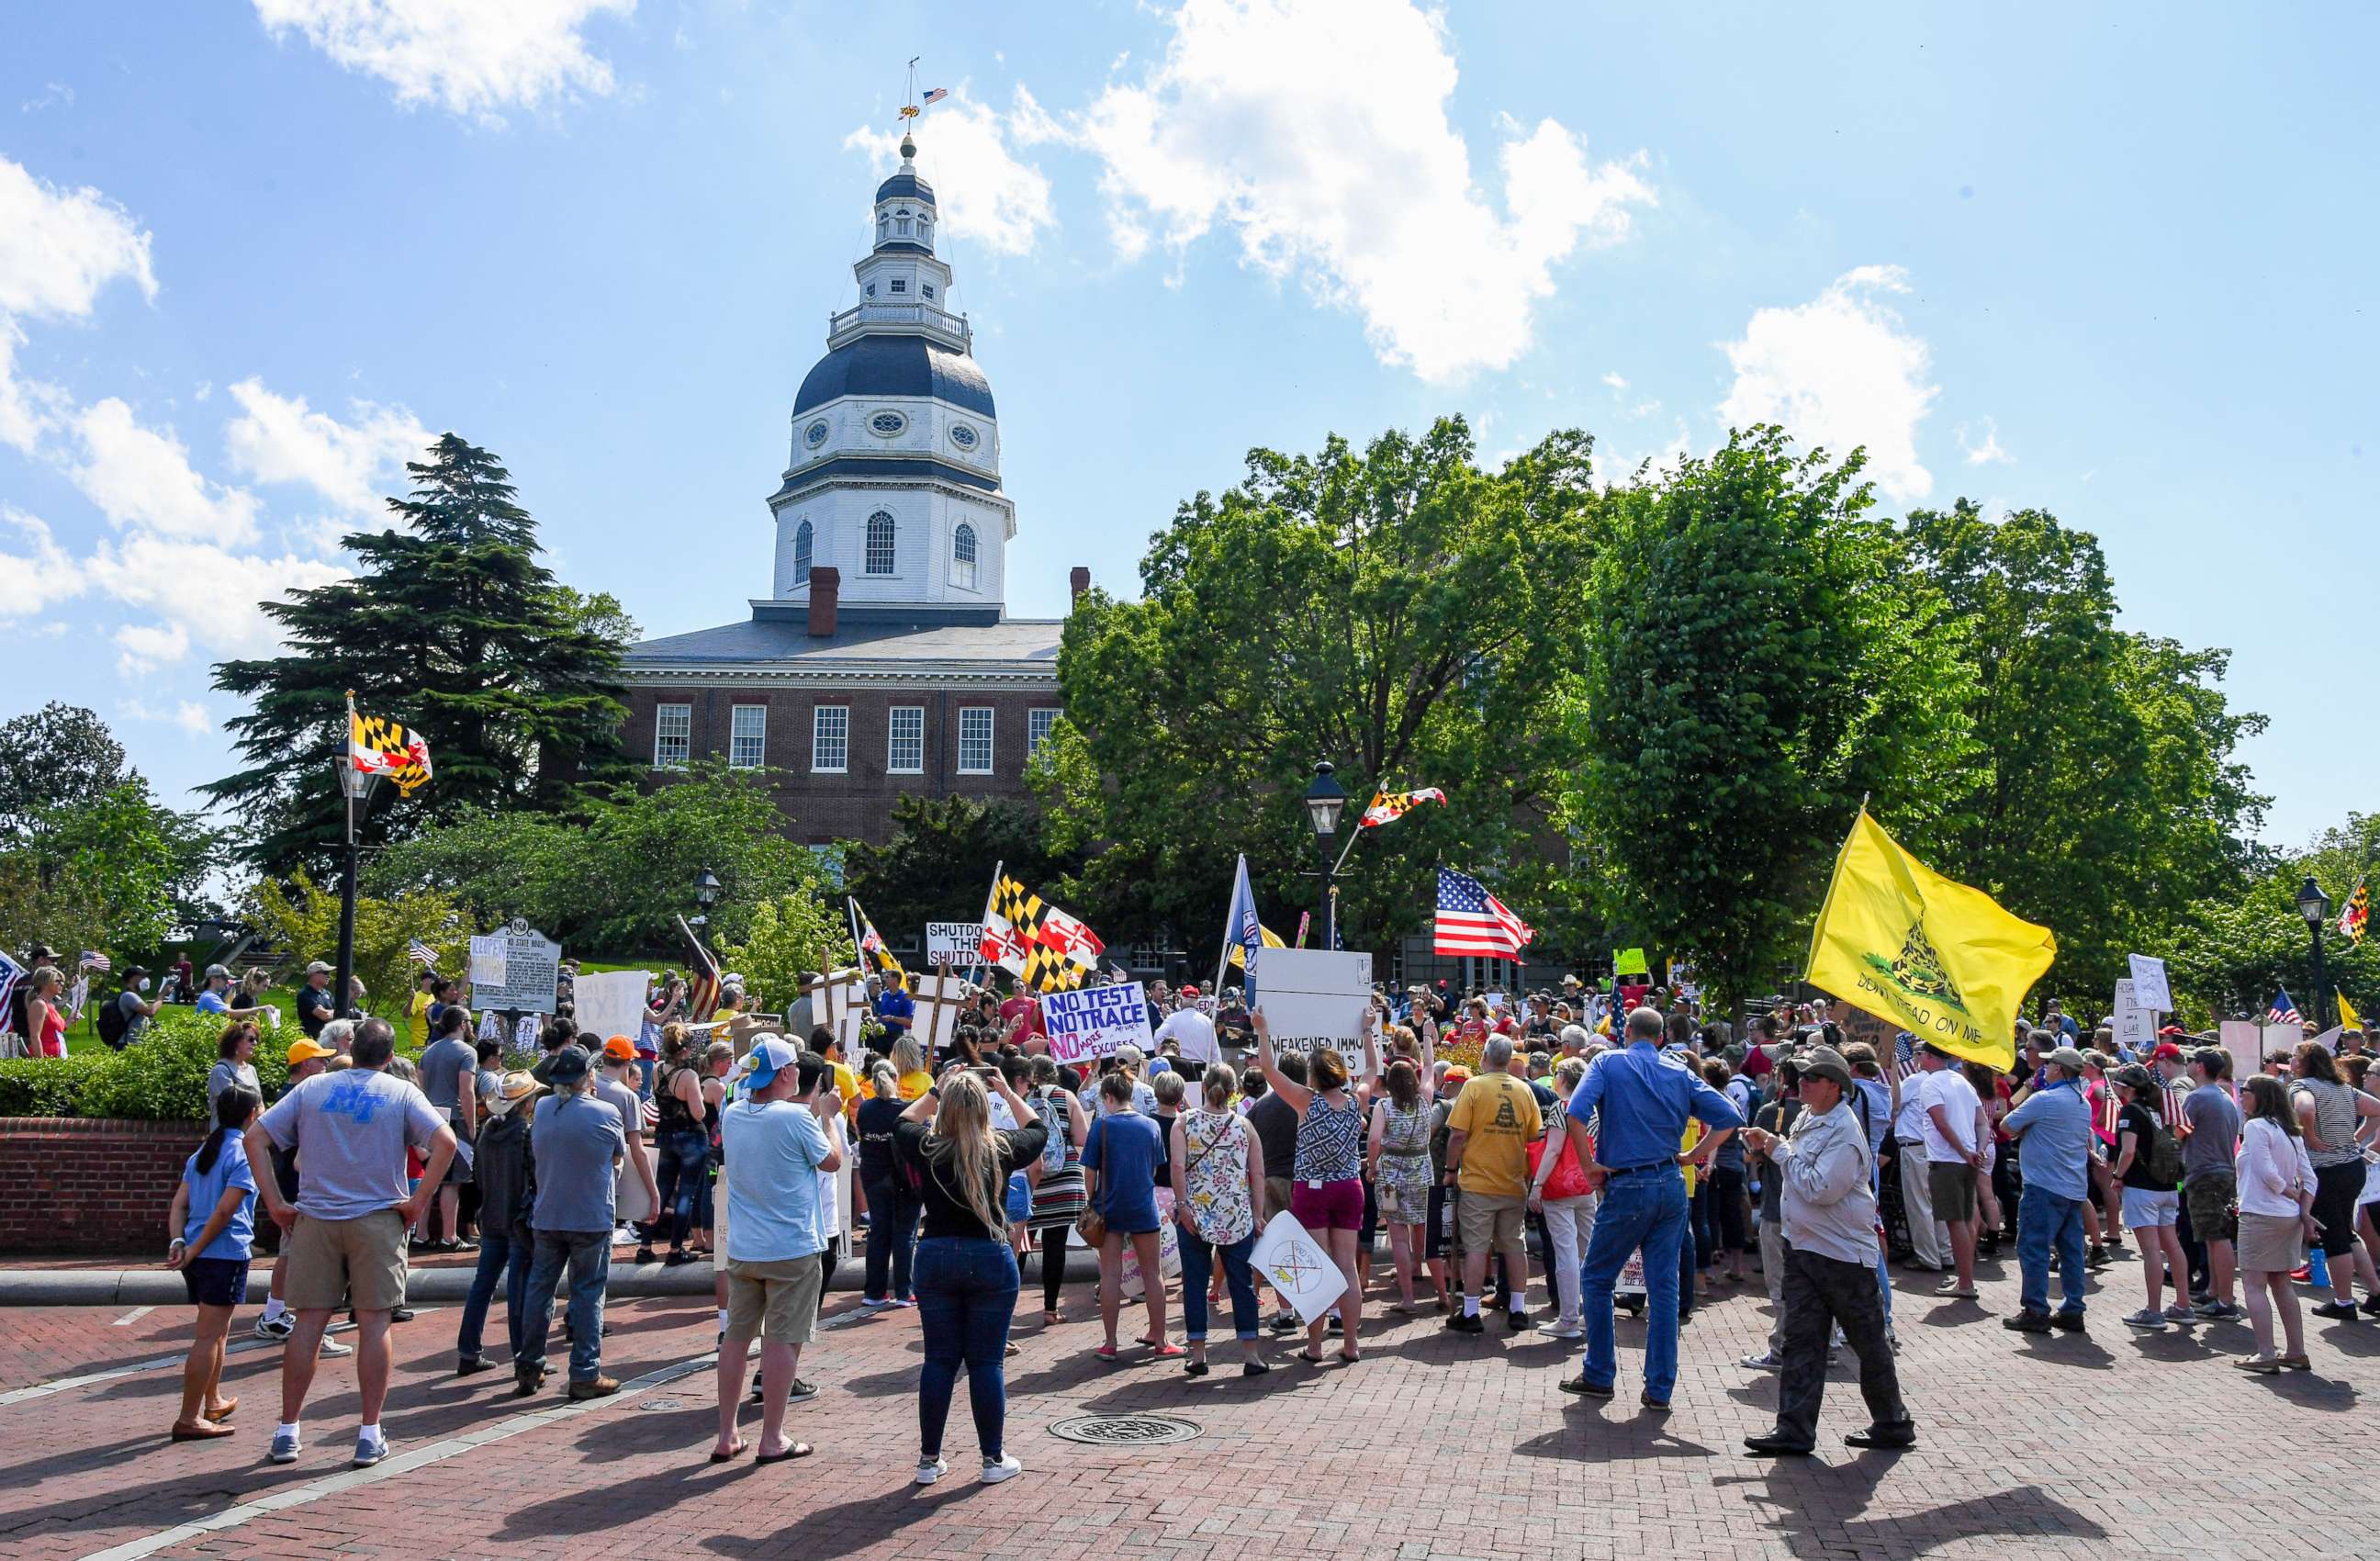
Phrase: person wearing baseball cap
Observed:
(314, 1006)
(576, 1143)
(2054, 1126)
(617, 1081)
(500, 1169)
(1826, 1167)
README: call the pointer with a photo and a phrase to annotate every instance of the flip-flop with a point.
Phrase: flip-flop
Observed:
(793, 1450)
(1105, 1352)
(731, 1454)
(1312, 1359)
(1169, 1352)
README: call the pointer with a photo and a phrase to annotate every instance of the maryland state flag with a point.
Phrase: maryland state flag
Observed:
(1048, 949)
(874, 954)
(376, 746)
(2356, 917)
(1388, 806)
(1942, 960)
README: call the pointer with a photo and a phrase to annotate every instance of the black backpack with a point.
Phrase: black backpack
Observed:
(113, 1022)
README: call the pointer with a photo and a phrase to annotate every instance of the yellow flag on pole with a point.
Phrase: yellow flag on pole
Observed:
(2348, 1016)
(1899, 941)
(1239, 956)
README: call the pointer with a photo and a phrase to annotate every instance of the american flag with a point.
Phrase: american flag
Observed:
(1471, 921)
(930, 99)
(2284, 1011)
(1904, 1058)
(93, 959)
(420, 953)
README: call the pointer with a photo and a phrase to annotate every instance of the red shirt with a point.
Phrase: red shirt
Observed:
(1021, 1005)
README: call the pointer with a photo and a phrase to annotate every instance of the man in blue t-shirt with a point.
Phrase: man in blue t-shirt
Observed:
(576, 1141)
(897, 1010)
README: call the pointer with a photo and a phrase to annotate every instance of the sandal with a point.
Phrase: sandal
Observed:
(793, 1450)
(731, 1454)
(1169, 1352)
(2261, 1366)
(1106, 1352)
(2297, 1362)
(1311, 1359)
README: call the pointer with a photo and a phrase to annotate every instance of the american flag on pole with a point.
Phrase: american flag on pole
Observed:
(2284, 1011)
(1904, 1058)
(420, 953)
(930, 99)
(93, 959)
(1471, 921)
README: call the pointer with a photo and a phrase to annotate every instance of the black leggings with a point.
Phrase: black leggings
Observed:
(1054, 1264)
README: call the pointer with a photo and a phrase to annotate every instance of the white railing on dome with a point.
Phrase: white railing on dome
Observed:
(941, 324)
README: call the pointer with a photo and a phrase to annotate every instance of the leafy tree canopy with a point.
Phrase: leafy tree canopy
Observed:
(938, 866)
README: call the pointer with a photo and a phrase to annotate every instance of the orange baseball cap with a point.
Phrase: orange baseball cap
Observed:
(619, 1048)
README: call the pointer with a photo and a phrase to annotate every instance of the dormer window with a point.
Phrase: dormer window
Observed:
(900, 284)
(927, 288)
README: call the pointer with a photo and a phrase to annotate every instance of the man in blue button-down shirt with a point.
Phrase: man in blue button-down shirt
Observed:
(1643, 1099)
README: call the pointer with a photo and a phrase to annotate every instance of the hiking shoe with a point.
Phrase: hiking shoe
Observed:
(593, 1387)
(1004, 1467)
(285, 1447)
(2148, 1321)
(277, 1328)
(370, 1450)
(930, 1470)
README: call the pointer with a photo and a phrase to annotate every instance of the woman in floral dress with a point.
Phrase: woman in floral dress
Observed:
(1219, 1177)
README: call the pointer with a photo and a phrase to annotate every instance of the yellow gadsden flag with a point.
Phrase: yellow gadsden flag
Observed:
(1942, 960)
(1272, 940)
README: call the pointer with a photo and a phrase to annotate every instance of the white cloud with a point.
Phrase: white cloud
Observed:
(982, 191)
(29, 408)
(277, 438)
(1989, 449)
(196, 593)
(146, 646)
(187, 714)
(52, 94)
(1614, 379)
(1839, 371)
(467, 56)
(38, 576)
(138, 477)
(1317, 129)
(58, 248)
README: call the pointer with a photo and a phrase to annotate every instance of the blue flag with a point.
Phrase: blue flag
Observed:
(1241, 926)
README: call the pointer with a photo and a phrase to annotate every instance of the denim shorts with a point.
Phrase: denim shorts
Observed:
(216, 1281)
(2145, 1209)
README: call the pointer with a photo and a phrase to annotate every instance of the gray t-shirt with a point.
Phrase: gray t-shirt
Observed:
(444, 1065)
(351, 1130)
(135, 1022)
(576, 1143)
(2214, 1138)
(2334, 1120)
(624, 1099)
(225, 1074)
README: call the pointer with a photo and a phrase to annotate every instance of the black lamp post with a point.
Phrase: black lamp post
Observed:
(356, 790)
(706, 891)
(2315, 907)
(1325, 799)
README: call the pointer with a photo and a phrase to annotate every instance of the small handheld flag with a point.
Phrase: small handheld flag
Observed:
(872, 951)
(420, 953)
(93, 959)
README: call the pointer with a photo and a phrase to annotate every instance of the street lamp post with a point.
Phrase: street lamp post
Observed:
(2315, 907)
(354, 791)
(706, 891)
(1325, 799)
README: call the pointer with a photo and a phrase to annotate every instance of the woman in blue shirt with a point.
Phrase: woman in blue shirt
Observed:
(1121, 1155)
(213, 1218)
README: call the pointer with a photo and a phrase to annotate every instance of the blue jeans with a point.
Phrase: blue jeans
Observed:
(892, 1212)
(1883, 1248)
(588, 1254)
(679, 1171)
(500, 1257)
(2045, 1222)
(967, 1292)
(1646, 1210)
(1198, 1267)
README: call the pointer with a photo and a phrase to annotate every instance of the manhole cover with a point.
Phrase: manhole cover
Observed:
(660, 1406)
(1126, 1431)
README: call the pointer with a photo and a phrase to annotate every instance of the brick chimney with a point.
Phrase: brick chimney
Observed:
(826, 589)
(1079, 579)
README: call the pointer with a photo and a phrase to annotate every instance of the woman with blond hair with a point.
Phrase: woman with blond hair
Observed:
(2276, 1193)
(1219, 1177)
(965, 1270)
(1327, 1187)
(909, 1064)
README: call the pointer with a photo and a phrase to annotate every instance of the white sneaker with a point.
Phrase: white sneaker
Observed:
(1561, 1330)
(1005, 1468)
(931, 1469)
(277, 1328)
(1766, 1361)
(332, 1348)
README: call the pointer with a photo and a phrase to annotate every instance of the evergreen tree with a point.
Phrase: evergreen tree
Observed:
(453, 628)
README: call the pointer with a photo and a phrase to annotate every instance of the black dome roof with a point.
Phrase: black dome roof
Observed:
(890, 366)
(908, 185)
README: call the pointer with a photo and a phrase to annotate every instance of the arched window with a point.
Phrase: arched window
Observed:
(880, 543)
(802, 542)
(963, 557)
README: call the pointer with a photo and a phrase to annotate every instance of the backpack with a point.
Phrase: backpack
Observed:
(2165, 1156)
(113, 1022)
(1056, 1120)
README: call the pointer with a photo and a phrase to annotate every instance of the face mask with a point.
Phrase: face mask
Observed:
(144, 984)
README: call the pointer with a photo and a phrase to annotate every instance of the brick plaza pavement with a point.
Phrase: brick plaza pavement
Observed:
(1435, 1446)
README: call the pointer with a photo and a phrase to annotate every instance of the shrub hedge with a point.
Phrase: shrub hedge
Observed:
(160, 1078)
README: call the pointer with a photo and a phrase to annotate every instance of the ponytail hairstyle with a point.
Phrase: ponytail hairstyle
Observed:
(234, 1110)
(884, 1080)
(1218, 1081)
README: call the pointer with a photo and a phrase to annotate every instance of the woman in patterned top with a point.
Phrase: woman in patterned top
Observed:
(1327, 1195)
(1219, 1176)
(1398, 1149)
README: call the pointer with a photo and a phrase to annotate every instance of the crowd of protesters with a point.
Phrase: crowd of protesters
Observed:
(1540, 1159)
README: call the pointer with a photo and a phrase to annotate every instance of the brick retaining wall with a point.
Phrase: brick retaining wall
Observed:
(71, 1184)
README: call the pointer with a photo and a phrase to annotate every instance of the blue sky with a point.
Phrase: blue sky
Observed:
(252, 253)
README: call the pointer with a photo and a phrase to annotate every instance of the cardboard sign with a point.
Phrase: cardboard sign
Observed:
(2135, 1024)
(953, 942)
(1095, 1020)
(2149, 987)
(1295, 1265)
(612, 1002)
(522, 966)
(1316, 998)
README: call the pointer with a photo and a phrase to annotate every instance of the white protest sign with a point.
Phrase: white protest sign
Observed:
(1292, 1264)
(612, 1002)
(2282, 1037)
(1094, 1021)
(2135, 1025)
(2149, 987)
(953, 942)
(2245, 1042)
(487, 960)
(1315, 998)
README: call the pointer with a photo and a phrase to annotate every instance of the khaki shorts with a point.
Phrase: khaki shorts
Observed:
(1276, 1195)
(777, 1302)
(719, 1226)
(1953, 1183)
(358, 1262)
(1489, 1223)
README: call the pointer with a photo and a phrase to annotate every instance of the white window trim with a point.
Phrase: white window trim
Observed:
(1032, 745)
(991, 751)
(734, 736)
(890, 768)
(816, 714)
(659, 710)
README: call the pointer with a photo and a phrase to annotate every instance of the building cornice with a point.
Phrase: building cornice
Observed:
(927, 676)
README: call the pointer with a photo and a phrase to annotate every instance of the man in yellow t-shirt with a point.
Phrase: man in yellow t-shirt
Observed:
(1488, 1132)
(416, 1013)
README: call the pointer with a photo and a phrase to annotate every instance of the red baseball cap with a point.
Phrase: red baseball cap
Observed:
(2166, 1052)
(2171, 1033)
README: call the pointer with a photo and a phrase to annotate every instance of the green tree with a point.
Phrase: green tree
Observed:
(108, 870)
(2229, 954)
(303, 918)
(785, 937)
(2101, 797)
(1395, 609)
(50, 757)
(452, 627)
(937, 867)
(1763, 658)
